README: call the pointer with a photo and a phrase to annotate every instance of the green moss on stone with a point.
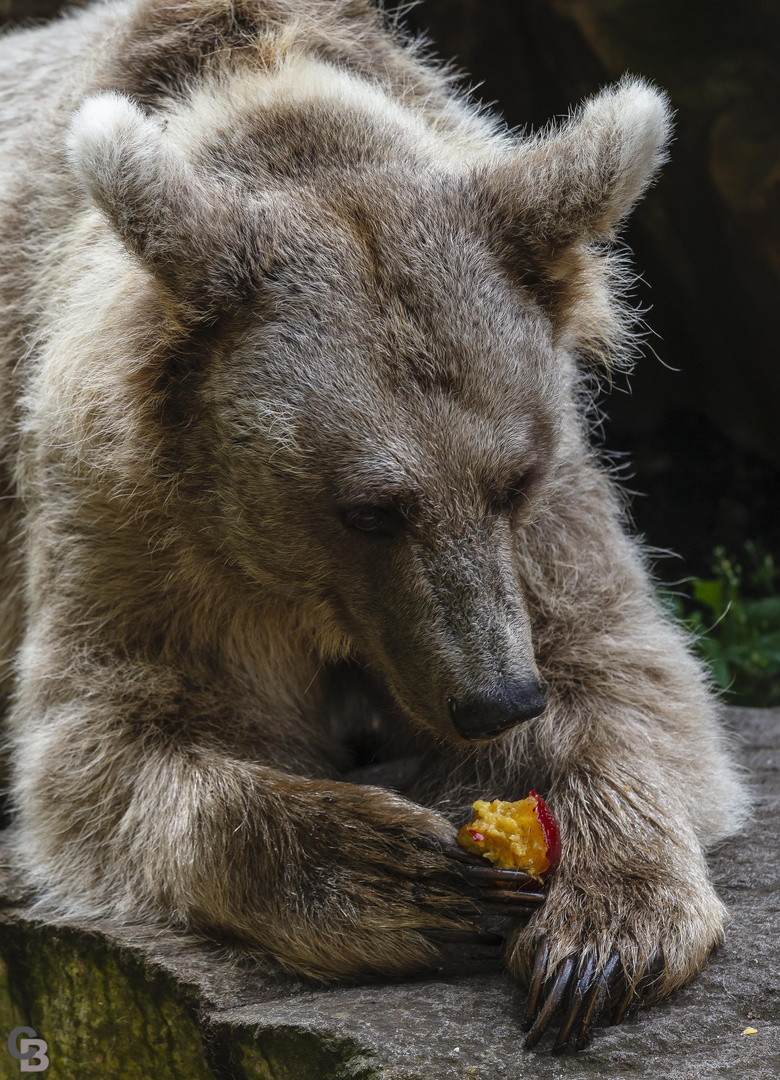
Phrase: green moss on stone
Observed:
(103, 1015)
(293, 1054)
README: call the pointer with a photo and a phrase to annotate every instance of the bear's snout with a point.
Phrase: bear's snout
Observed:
(485, 714)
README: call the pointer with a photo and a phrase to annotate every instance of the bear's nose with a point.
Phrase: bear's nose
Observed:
(483, 715)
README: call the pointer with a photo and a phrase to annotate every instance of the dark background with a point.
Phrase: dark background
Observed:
(701, 421)
(700, 424)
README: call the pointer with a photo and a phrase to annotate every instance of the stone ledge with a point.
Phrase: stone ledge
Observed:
(134, 1004)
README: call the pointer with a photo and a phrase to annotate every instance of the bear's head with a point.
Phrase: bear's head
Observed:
(388, 383)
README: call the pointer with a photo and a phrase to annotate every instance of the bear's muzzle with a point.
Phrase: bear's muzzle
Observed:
(486, 714)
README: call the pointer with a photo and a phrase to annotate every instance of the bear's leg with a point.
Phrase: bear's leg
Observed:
(135, 798)
(639, 778)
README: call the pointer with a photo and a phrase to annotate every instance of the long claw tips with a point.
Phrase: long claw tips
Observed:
(552, 1003)
(537, 979)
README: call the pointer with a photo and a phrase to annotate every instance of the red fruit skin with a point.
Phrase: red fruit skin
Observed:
(552, 835)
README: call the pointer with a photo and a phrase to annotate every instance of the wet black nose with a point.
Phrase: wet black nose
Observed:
(481, 716)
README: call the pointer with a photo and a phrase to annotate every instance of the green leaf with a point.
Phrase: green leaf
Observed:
(709, 593)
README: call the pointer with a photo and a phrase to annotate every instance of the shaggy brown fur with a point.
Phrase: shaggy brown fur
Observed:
(291, 405)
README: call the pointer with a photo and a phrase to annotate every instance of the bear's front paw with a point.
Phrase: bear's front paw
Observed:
(606, 943)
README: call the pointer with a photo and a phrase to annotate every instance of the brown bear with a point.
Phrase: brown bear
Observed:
(297, 348)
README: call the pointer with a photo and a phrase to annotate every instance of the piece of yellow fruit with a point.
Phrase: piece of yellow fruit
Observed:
(515, 835)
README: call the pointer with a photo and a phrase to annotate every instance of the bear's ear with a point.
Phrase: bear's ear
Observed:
(579, 181)
(210, 247)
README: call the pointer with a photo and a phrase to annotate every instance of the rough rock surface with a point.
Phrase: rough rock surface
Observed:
(135, 1004)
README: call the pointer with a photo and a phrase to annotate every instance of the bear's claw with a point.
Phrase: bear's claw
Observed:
(579, 990)
(635, 991)
(477, 869)
(552, 1003)
(535, 986)
(503, 899)
(584, 992)
(520, 895)
(605, 983)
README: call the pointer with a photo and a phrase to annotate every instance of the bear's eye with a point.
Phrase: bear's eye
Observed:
(516, 494)
(371, 519)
